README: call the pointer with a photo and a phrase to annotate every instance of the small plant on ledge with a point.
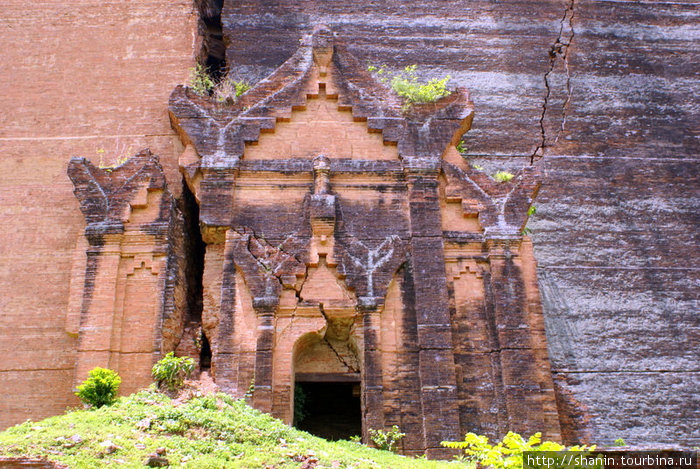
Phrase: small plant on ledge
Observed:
(228, 90)
(120, 160)
(503, 176)
(200, 81)
(406, 85)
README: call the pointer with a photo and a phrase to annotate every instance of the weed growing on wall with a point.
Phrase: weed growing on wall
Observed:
(503, 176)
(530, 212)
(228, 90)
(406, 84)
(200, 81)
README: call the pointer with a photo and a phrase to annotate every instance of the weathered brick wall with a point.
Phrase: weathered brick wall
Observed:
(78, 78)
(616, 229)
(615, 234)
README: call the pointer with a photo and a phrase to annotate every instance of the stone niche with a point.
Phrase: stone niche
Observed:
(349, 253)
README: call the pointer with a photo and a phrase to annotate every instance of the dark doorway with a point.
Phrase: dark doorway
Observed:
(329, 410)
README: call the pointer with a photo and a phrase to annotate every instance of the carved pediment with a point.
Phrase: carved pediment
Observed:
(502, 207)
(219, 132)
(108, 196)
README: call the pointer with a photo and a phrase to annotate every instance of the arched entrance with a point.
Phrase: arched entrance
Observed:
(327, 386)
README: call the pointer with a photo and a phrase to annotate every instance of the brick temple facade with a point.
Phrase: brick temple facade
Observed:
(344, 240)
(592, 99)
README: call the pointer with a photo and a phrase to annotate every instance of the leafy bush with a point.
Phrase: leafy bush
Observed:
(100, 388)
(386, 440)
(200, 81)
(171, 371)
(620, 442)
(507, 454)
(406, 85)
(503, 176)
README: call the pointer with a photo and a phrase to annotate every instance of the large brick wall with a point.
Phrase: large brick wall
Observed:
(84, 79)
(608, 88)
(347, 240)
(616, 230)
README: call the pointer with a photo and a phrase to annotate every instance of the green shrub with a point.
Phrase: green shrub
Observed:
(200, 81)
(619, 442)
(406, 85)
(171, 371)
(508, 453)
(503, 176)
(100, 388)
(386, 440)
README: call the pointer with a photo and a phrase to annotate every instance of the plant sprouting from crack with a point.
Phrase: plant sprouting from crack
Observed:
(406, 84)
(503, 176)
(560, 48)
(200, 81)
(226, 90)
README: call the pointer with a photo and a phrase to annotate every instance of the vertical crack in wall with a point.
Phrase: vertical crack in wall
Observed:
(194, 250)
(558, 51)
(213, 52)
(342, 360)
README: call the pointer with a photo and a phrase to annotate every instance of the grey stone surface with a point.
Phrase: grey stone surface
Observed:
(610, 88)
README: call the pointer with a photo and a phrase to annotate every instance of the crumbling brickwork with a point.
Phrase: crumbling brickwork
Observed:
(324, 206)
(600, 92)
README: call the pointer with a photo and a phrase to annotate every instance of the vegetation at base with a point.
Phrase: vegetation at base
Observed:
(170, 371)
(387, 440)
(100, 388)
(508, 453)
(210, 431)
(406, 85)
